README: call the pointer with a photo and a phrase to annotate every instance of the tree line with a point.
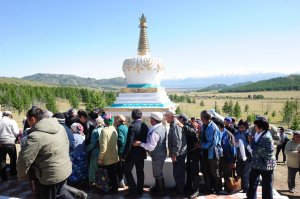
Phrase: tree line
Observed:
(292, 82)
(22, 97)
(181, 98)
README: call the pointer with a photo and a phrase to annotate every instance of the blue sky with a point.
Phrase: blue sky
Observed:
(193, 38)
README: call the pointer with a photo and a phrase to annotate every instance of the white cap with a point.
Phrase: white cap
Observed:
(7, 113)
(170, 112)
(157, 116)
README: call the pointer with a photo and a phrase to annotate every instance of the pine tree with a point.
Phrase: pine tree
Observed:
(225, 107)
(217, 108)
(230, 108)
(202, 103)
(74, 101)
(295, 123)
(237, 110)
(251, 117)
(246, 109)
(178, 111)
(273, 114)
(288, 112)
(50, 103)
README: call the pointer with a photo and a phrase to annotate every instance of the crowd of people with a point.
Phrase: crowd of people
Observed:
(68, 149)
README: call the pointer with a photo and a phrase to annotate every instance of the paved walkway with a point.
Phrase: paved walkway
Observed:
(15, 189)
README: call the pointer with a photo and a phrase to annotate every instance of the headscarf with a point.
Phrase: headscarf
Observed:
(77, 128)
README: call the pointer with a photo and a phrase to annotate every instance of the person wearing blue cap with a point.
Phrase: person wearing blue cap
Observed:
(228, 124)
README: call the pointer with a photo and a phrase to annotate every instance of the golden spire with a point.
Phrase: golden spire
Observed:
(143, 48)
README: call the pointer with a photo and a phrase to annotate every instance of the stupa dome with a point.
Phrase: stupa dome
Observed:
(143, 71)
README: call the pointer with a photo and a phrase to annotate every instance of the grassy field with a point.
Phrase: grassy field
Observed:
(274, 101)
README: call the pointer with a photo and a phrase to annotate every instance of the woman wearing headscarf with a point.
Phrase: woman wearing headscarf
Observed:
(93, 148)
(263, 160)
(108, 155)
(78, 155)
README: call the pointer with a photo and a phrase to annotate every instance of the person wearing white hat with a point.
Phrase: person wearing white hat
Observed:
(156, 146)
(9, 131)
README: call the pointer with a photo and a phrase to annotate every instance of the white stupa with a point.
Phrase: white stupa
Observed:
(143, 75)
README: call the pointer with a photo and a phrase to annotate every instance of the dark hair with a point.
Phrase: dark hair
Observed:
(243, 123)
(281, 128)
(183, 117)
(262, 123)
(136, 114)
(36, 113)
(218, 122)
(82, 113)
(205, 114)
(93, 115)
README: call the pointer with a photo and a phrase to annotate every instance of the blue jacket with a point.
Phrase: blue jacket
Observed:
(263, 158)
(210, 137)
(228, 146)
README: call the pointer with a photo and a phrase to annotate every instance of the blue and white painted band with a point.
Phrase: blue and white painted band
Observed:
(143, 86)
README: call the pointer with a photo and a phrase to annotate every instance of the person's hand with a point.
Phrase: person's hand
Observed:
(173, 157)
(178, 123)
(122, 159)
(233, 166)
(136, 143)
(250, 138)
(196, 145)
(100, 162)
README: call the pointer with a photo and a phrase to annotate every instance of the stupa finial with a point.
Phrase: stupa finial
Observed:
(143, 48)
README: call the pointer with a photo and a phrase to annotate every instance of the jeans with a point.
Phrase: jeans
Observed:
(9, 149)
(266, 183)
(291, 177)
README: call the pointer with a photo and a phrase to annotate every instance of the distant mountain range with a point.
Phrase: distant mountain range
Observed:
(291, 82)
(215, 82)
(73, 80)
(228, 79)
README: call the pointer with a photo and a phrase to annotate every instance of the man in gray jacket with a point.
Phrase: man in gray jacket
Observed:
(177, 150)
(46, 150)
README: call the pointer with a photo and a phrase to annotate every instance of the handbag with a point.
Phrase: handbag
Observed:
(102, 179)
(233, 184)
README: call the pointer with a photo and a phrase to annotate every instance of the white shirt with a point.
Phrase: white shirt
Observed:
(257, 136)
(152, 139)
(9, 130)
